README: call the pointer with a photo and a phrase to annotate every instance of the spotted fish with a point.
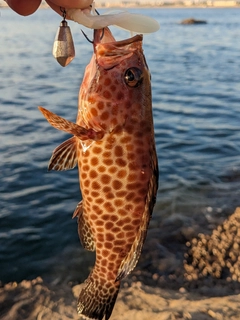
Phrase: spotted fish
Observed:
(113, 145)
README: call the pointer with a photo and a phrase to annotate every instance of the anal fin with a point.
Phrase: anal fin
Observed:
(84, 228)
(64, 157)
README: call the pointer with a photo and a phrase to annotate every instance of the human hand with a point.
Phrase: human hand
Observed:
(27, 7)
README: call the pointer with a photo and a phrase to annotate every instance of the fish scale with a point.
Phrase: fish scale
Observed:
(113, 145)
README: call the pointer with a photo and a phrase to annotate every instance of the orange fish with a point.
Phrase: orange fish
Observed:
(113, 145)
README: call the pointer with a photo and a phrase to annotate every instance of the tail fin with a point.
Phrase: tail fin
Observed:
(97, 298)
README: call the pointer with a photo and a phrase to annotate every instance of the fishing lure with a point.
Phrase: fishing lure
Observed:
(63, 48)
(129, 21)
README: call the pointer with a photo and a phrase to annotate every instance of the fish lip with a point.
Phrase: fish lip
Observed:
(99, 38)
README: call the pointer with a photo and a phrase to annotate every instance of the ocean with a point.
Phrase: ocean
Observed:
(196, 101)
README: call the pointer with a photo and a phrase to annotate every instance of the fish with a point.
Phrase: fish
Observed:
(114, 148)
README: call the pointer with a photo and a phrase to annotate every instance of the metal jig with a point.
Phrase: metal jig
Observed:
(63, 46)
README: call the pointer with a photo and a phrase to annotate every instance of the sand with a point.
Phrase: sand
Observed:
(35, 300)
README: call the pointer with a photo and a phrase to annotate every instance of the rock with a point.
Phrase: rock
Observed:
(216, 255)
(193, 21)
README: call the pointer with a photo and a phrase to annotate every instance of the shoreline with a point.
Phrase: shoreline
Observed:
(167, 283)
(34, 299)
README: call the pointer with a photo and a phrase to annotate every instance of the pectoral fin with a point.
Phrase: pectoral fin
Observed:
(64, 157)
(70, 127)
(84, 229)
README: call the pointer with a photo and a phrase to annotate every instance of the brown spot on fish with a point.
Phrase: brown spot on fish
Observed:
(121, 194)
(102, 169)
(96, 149)
(130, 196)
(93, 174)
(94, 161)
(109, 236)
(100, 105)
(93, 216)
(112, 169)
(99, 200)
(105, 253)
(109, 225)
(104, 115)
(118, 202)
(125, 140)
(107, 94)
(121, 162)
(85, 167)
(108, 207)
(108, 245)
(86, 183)
(107, 161)
(116, 230)
(121, 235)
(94, 112)
(107, 81)
(112, 257)
(104, 262)
(110, 195)
(114, 218)
(117, 184)
(96, 185)
(118, 151)
(122, 173)
(127, 227)
(99, 223)
(95, 194)
(84, 175)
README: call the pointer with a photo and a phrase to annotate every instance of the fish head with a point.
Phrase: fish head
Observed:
(116, 85)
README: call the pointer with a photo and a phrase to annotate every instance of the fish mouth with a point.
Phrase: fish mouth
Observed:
(109, 52)
(104, 36)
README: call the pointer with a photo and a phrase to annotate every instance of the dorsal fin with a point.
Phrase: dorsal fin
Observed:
(84, 228)
(64, 157)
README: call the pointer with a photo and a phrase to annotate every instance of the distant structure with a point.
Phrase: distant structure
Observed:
(168, 3)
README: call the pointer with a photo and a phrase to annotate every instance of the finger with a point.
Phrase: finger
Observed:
(80, 4)
(24, 7)
(73, 4)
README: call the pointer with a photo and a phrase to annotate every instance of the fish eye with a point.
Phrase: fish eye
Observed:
(133, 77)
